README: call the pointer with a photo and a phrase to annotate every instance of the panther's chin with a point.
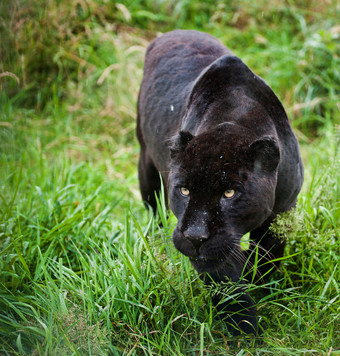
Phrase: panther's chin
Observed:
(203, 259)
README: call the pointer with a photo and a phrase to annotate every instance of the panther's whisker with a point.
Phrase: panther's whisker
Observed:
(267, 253)
(246, 261)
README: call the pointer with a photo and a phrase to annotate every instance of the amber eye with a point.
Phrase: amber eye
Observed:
(229, 193)
(185, 192)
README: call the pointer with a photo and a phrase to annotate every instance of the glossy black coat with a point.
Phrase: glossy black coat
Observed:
(206, 122)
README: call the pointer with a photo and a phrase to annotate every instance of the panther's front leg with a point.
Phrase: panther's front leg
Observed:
(237, 307)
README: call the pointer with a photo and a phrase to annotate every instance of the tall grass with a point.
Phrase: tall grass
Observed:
(85, 269)
(72, 42)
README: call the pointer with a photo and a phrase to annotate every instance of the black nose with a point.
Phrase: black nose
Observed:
(197, 236)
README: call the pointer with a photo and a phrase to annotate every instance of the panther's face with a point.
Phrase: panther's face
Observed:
(221, 186)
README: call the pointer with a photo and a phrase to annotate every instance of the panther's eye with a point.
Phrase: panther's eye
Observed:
(229, 193)
(185, 191)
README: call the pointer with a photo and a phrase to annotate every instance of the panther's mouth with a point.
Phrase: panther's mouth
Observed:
(204, 264)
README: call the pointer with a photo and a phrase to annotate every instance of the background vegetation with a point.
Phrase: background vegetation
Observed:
(84, 268)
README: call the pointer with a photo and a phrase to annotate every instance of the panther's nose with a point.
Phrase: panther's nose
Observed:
(197, 235)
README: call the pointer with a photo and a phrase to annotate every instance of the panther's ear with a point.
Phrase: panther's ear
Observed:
(179, 143)
(265, 154)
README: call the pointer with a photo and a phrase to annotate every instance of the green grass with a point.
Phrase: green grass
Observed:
(84, 268)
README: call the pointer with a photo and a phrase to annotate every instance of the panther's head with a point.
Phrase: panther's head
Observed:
(221, 186)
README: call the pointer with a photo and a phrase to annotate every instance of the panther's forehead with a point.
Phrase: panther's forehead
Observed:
(214, 161)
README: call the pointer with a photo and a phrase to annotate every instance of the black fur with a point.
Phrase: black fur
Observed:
(206, 122)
